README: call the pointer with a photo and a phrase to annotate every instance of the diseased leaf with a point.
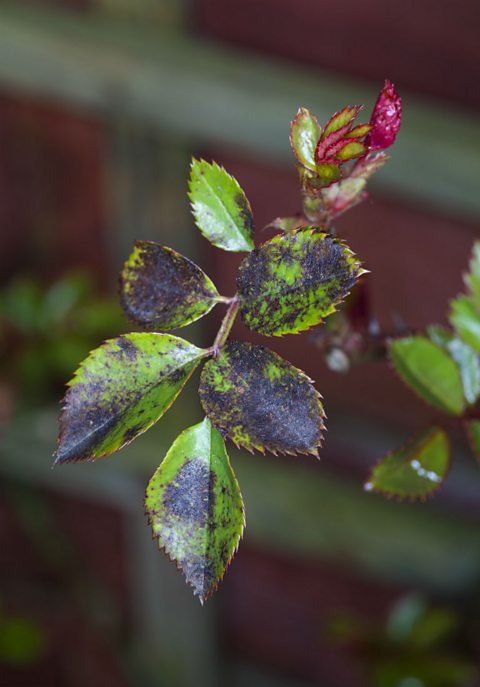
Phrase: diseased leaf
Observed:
(472, 429)
(195, 507)
(304, 134)
(261, 401)
(415, 471)
(465, 319)
(386, 118)
(430, 372)
(120, 390)
(161, 288)
(220, 207)
(293, 281)
(465, 357)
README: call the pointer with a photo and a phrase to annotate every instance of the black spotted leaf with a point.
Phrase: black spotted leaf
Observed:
(161, 288)
(195, 507)
(220, 207)
(416, 470)
(430, 371)
(293, 281)
(120, 390)
(261, 401)
(304, 134)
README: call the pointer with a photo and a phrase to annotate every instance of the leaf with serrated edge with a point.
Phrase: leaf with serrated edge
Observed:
(304, 134)
(430, 372)
(195, 507)
(293, 281)
(220, 207)
(163, 289)
(260, 401)
(465, 319)
(466, 358)
(341, 119)
(120, 390)
(416, 470)
(472, 278)
(472, 429)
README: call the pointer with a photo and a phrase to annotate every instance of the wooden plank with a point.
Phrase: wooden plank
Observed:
(219, 96)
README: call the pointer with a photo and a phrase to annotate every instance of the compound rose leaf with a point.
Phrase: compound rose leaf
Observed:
(293, 281)
(220, 207)
(260, 401)
(161, 288)
(120, 390)
(195, 507)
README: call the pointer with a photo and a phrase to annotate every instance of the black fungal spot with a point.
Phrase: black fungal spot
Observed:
(81, 433)
(164, 290)
(245, 211)
(280, 412)
(126, 348)
(322, 261)
(191, 495)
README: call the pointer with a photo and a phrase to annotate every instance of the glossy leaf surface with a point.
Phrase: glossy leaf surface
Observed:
(472, 428)
(120, 390)
(430, 371)
(293, 281)
(304, 134)
(386, 118)
(465, 319)
(261, 401)
(416, 470)
(220, 207)
(465, 357)
(161, 288)
(195, 508)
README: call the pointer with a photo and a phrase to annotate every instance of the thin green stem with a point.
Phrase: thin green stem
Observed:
(226, 326)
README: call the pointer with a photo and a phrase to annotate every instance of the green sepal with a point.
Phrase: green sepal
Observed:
(220, 207)
(120, 390)
(161, 288)
(293, 281)
(416, 470)
(260, 401)
(430, 371)
(472, 430)
(195, 507)
(304, 134)
(466, 358)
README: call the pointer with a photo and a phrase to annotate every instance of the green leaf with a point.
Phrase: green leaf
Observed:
(220, 207)
(120, 390)
(344, 195)
(472, 278)
(327, 173)
(465, 319)
(161, 288)
(341, 119)
(293, 281)
(465, 357)
(359, 131)
(415, 471)
(430, 372)
(261, 401)
(195, 507)
(304, 134)
(472, 429)
(351, 150)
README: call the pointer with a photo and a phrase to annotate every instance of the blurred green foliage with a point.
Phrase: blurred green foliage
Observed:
(419, 645)
(46, 331)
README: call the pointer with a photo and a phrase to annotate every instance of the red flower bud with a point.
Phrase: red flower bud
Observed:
(386, 118)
